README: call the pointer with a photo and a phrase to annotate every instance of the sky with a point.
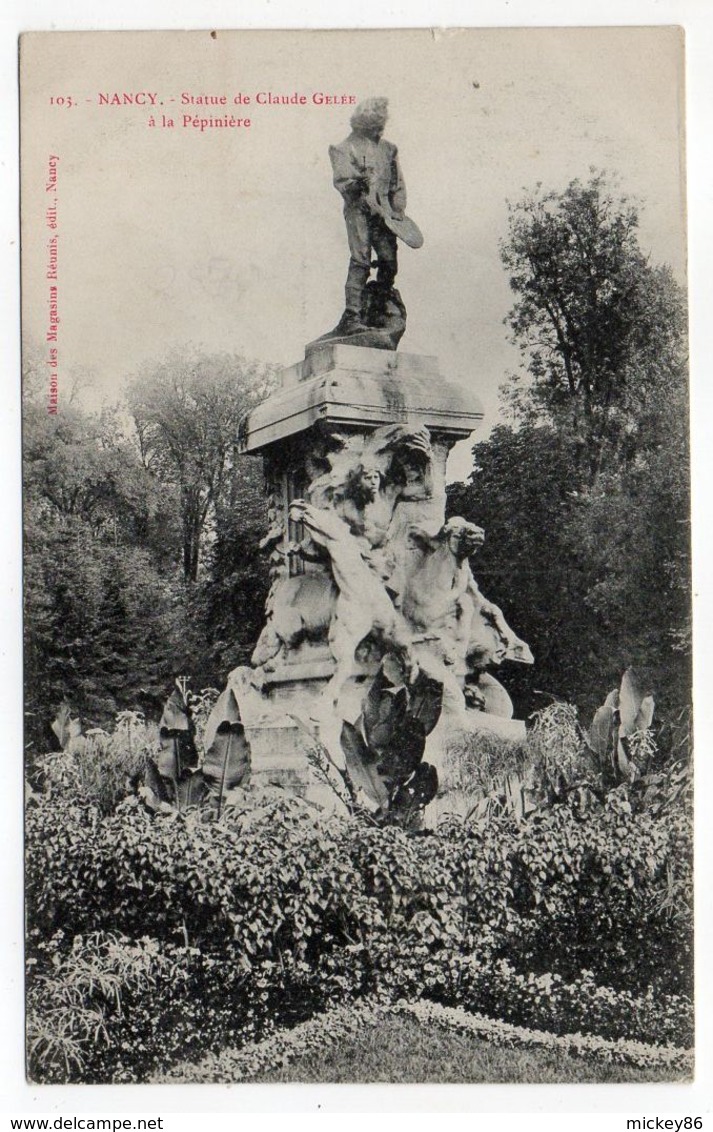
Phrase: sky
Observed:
(233, 238)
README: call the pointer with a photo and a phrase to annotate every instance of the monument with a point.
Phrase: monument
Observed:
(377, 640)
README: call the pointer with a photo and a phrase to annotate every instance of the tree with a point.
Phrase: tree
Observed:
(600, 330)
(105, 617)
(113, 533)
(519, 492)
(187, 410)
(585, 495)
(78, 464)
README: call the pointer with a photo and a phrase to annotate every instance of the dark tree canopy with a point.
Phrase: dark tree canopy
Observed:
(585, 496)
(116, 523)
(229, 602)
(187, 410)
(601, 331)
(103, 609)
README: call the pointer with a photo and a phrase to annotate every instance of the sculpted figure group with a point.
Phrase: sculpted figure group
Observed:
(378, 639)
(374, 584)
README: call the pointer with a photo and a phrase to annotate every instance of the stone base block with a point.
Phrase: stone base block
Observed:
(281, 733)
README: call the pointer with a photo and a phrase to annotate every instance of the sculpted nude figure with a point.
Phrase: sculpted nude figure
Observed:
(365, 486)
(362, 605)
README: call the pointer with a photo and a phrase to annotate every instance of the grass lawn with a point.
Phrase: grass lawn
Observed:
(401, 1050)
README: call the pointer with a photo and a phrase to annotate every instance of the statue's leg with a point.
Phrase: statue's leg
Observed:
(343, 646)
(359, 258)
(384, 242)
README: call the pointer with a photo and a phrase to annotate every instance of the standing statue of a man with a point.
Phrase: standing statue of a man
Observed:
(367, 174)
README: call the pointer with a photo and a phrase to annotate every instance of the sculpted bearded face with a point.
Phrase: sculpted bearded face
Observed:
(463, 538)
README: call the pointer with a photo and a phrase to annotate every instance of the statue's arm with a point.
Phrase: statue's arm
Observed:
(412, 458)
(347, 178)
(488, 609)
(306, 549)
(397, 190)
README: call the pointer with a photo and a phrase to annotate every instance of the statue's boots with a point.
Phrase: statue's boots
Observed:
(349, 323)
(377, 306)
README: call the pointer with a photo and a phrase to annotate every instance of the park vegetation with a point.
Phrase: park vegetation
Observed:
(553, 903)
(584, 492)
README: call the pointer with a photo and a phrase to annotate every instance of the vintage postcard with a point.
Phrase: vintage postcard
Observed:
(357, 556)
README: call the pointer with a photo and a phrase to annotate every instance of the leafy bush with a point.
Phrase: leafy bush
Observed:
(103, 767)
(270, 915)
(156, 936)
(100, 767)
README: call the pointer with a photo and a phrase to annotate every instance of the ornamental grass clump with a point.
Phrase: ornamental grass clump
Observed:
(99, 767)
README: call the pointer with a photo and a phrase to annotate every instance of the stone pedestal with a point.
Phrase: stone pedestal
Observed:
(356, 388)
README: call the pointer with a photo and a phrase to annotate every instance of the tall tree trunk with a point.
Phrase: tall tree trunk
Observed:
(191, 546)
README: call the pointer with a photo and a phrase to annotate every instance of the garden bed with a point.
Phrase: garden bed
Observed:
(163, 939)
(423, 1042)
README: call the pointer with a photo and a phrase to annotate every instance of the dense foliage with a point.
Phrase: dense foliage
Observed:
(584, 497)
(208, 933)
(116, 510)
(562, 900)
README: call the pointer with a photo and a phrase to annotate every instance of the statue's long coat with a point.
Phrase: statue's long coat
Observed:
(380, 160)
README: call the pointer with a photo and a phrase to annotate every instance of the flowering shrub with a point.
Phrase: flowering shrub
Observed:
(280, 1047)
(498, 990)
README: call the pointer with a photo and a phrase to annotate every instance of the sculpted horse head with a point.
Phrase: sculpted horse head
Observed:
(461, 537)
(456, 541)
